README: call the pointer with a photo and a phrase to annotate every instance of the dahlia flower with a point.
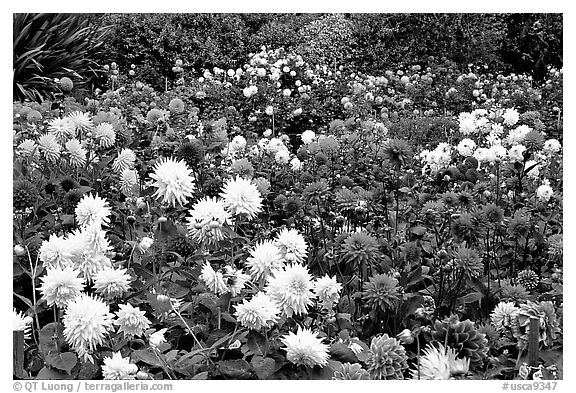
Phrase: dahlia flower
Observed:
(76, 152)
(308, 137)
(552, 146)
(264, 258)
(21, 323)
(359, 248)
(105, 133)
(282, 157)
(241, 196)
(111, 283)
(124, 160)
(511, 116)
(259, 312)
(387, 358)
(61, 286)
(117, 367)
(293, 247)
(234, 279)
(544, 192)
(56, 252)
(381, 291)
(350, 371)
(516, 153)
(131, 321)
(28, 148)
(62, 129)
(466, 147)
(128, 179)
(173, 181)
(440, 363)
(86, 323)
(92, 210)
(291, 289)
(327, 290)
(305, 348)
(80, 120)
(503, 316)
(157, 338)
(296, 164)
(213, 280)
(50, 148)
(208, 218)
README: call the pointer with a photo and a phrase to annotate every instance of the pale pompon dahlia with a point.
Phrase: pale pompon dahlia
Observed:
(90, 263)
(213, 280)
(208, 219)
(264, 258)
(440, 363)
(62, 129)
(117, 367)
(241, 196)
(235, 279)
(292, 245)
(131, 321)
(327, 290)
(55, 252)
(291, 289)
(305, 348)
(21, 323)
(91, 238)
(257, 313)
(92, 210)
(50, 148)
(80, 121)
(112, 283)
(86, 323)
(61, 286)
(387, 358)
(173, 181)
(28, 148)
(128, 179)
(350, 371)
(105, 134)
(76, 153)
(124, 160)
(503, 316)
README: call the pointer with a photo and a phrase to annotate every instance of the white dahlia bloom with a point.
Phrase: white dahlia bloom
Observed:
(62, 129)
(86, 323)
(544, 192)
(466, 147)
(56, 252)
(21, 323)
(124, 160)
(440, 363)
(111, 283)
(80, 120)
(503, 316)
(308, 137)
(208, 217)
(292, 245)
(241, 196)
(91, 239)
(157, 338)
(511, 116)
(552, 146)
(305, 348)
(92, 210)
(291, 289)
(128, 179)
(213, 280)
(76, 152)
(264, 258)
(518, 134)
(145, 244)
(327, 290)
(117, 367)
(296, 164)
(61, 286)
(28, 148)
(235, 279)
(131, 321)
(497, 153)
(173, 180)
(467, 123)
(238, 143)
(50, 148)
(257, 313)
(282, 157)
(516, 153)
(105, 134)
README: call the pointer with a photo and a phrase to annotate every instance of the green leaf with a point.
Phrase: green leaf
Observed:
(236, 369)
(341, 352)
(51, 339)
(265, 367)
(203, 375)
(50, 373)
(147, 356)
(62, 361)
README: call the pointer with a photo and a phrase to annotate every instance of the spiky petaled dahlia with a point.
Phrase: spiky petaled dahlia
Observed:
(463, 337)
(387, 358)
(381, 291)
(398, 152)
(263, 186)
(440, 363)
(528, 279)
(91, 238)
(513, 293)
(327, 290)
(86, 323)
(21, 323)
(259, 312)
(89, 263)
(213, 280)
(92, 210)
(241, 196)
(292, 245)
(111, 283)
(128, 179)
(125, 160)
(24, 194)
(235, 279)
(291, 289)
(80, 120)
(62, 129)
(192, 152)
(28, 148)
(76, 152)
(305, 348)
(50, 148)
(469, 261)
(503, 316)
(117, 367)
(173, 180)
(350, 371)
(208, 217)
(61, 286)
(264, 258)
(131, 321)
(105, 135)
(56, 252)
(360, 248)
(556, 245)
(549, 326)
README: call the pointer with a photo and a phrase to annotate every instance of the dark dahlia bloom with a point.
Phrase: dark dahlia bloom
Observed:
(302, 153)
(513, 293)
(450, 199)
(471, 175)
(212, 186)
(49, 188)
(469, 261)
(360, 248)
(191, 152)
(315, 190)
(493, 214)
(329, 144)
(519, 225)
(292, 205)
(279, 201)
(24, 194)
(534, 140)
(464, 228)
(181, 245)
(381, 291)
(397, 152)
(454, 173)
(306, 177)
(471, 163)
(71, 198)
(465, 199)
(346, 181)
(479, 188)
(67, 184)
(411, 252)
(321, 158)
(242, 167)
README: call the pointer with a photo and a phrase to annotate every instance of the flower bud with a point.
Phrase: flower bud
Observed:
(405, 336)
(19, 250)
